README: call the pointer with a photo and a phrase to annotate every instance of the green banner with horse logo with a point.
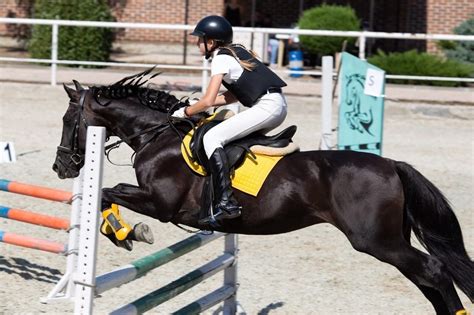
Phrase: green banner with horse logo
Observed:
(361, 106)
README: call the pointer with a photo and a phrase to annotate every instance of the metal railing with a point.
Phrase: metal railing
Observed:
(361, 35)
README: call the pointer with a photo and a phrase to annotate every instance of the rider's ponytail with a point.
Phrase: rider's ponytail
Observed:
(246, 64)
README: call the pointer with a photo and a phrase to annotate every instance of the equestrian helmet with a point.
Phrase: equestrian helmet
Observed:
(214, 27)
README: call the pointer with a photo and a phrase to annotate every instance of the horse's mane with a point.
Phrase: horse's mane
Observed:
(132, 86)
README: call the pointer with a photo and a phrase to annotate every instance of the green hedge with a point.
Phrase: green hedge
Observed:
(328, 17)
(75, 43)
(421, 64)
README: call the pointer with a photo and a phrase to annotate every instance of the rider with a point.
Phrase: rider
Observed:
(248, 81)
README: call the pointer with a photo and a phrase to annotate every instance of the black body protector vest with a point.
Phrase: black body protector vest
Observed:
(252, 84)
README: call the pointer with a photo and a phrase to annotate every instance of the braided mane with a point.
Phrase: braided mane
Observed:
(133, 86)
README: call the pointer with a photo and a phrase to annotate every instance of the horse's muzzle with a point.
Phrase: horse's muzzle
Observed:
(66, 169)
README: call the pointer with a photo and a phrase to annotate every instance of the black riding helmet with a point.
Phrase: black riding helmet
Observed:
(213, 27)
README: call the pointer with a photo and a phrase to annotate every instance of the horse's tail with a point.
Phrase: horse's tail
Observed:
(436, 226)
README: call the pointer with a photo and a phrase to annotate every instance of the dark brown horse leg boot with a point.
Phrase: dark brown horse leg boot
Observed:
(225, 205)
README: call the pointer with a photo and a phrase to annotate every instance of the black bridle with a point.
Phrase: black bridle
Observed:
(76, 156)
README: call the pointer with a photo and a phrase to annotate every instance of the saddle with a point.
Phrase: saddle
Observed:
(251, 160)
(276, 145)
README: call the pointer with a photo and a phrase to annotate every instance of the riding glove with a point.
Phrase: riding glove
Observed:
(180, 113)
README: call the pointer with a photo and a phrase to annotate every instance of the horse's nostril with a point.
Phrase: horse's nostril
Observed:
(55, 167)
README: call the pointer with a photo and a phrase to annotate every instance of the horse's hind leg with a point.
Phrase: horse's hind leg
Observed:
(426, 271)
(432, 295)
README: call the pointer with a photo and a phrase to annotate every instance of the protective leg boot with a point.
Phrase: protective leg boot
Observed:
(108, 232)
(120, 228)
(225, 205)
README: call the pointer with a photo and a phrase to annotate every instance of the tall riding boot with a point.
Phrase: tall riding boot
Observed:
(225, 205)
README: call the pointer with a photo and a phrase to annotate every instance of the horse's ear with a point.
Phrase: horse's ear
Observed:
(78, 86)
(70, 92)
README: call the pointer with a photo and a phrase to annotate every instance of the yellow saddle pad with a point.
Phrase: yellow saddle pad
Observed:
(249, 177)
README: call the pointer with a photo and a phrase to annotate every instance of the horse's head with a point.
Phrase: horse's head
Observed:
(123, 108)
(70, 153)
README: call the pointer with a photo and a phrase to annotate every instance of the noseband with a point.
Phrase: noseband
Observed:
(76, 157)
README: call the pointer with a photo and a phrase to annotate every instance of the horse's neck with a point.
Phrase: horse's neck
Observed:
(128, 124)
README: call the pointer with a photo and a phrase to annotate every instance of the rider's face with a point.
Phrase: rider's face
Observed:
(202, 48)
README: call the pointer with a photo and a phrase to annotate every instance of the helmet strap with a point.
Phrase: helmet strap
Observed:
(208, 53)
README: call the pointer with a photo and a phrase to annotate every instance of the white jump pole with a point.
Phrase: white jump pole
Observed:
(326, 107)
(90, 212)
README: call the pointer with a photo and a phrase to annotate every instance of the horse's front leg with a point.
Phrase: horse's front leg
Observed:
(114, 226)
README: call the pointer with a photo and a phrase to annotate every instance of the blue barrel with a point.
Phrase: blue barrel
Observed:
(296, 62)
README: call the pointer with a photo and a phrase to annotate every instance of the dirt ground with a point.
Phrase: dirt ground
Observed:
(311, 271)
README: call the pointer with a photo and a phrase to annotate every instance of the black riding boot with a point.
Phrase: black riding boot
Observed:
(225, 205)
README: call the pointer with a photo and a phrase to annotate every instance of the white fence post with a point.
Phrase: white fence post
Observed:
(54, 53)
(326, 103)
(205, 75)
(362, 42)
(90, 212)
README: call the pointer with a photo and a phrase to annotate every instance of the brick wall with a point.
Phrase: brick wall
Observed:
(141, 11)
(444, 15)
(14, 9)
(163, 12)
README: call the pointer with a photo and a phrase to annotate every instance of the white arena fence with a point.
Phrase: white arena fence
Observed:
(249, 36)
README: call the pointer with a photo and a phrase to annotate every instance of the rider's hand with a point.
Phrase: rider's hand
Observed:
(180, 113)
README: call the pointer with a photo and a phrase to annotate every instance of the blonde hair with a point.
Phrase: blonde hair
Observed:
(246, 64)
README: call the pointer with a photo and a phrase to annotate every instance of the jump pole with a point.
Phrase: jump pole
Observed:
(176, 287)
(31, 242)
(227, 293)
(35, 191)
(34, 218)
(142, 266)
(64, 289)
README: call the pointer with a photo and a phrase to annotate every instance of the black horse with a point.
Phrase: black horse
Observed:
(376, 202)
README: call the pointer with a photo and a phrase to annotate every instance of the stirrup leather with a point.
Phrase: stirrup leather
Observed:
(115, 223)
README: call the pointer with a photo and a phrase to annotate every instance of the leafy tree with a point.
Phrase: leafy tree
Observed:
(74, 43)
(328, 17)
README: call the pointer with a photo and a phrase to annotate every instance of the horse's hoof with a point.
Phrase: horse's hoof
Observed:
(143, 233)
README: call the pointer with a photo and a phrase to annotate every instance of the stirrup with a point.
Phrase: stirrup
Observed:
(116, 223)
(213, 218)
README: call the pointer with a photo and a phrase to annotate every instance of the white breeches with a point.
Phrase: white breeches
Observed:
(267, 114)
